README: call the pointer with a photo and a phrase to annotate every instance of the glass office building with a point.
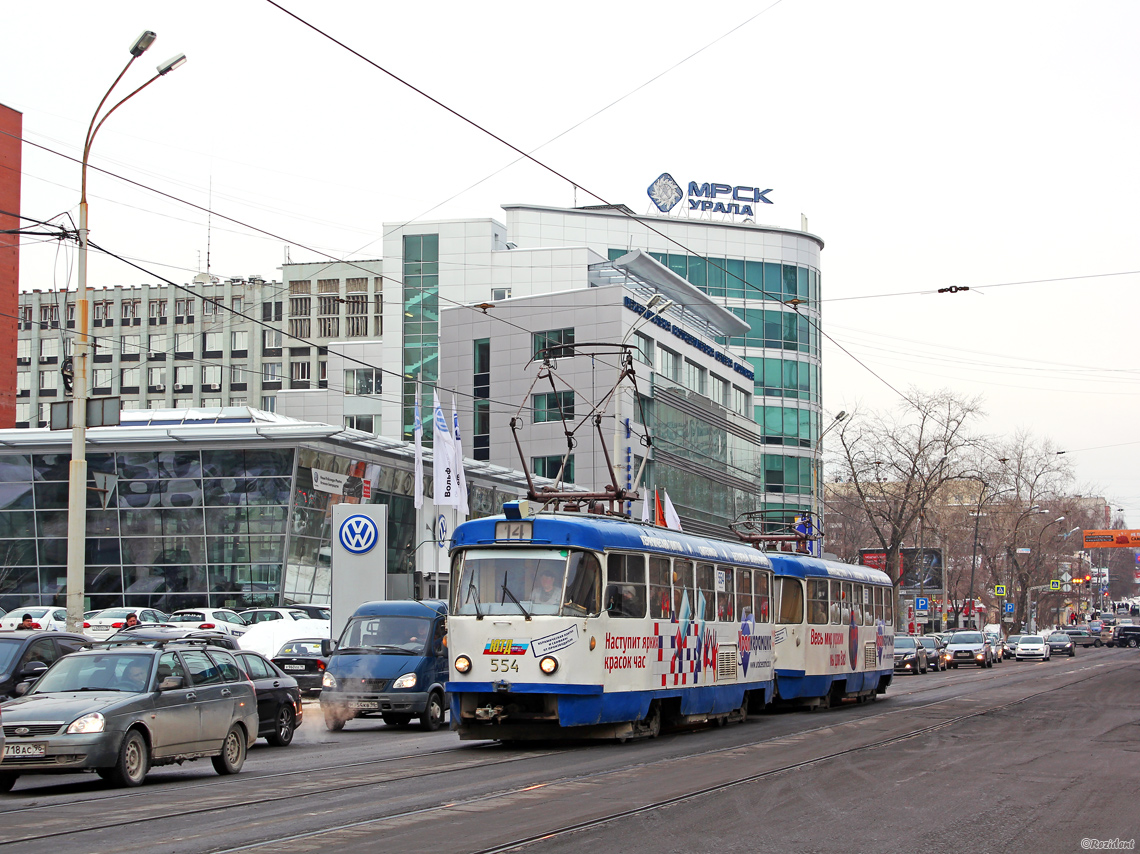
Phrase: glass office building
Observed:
(210, 507)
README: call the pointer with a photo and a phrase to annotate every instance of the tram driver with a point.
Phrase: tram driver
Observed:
(548, 590)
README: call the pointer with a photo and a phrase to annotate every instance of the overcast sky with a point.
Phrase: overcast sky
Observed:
(974, 144)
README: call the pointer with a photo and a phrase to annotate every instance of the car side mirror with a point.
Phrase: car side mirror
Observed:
(171, 683)
(22, 689)
(33, 670)
(327, 647)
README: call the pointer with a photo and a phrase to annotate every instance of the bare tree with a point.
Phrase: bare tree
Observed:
(895, 463)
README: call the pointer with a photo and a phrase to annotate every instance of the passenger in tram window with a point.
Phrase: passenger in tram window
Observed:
(547, 592)
(762, 584)
(836, 611)
(683, 587)
(725, 600)
(706, 585)
(744, 593)
(845, 605)
(659, 588)
(817, 602)
(857, 604)
(878, 594)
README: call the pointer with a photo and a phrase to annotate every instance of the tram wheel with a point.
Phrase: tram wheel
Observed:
(652, 723)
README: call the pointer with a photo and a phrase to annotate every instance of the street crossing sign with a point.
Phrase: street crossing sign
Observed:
(1055, 584)
(999, 590)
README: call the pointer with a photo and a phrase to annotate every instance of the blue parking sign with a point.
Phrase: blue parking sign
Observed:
(1009, 607)
(921, 603)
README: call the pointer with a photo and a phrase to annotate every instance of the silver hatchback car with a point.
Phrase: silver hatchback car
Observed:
(120, 711)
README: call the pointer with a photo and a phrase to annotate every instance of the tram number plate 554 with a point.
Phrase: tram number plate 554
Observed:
(502, 665)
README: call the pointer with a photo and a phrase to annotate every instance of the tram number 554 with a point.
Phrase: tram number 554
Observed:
(502, 665)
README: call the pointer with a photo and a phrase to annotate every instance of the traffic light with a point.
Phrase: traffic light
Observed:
(1088, 580)
(67, 372)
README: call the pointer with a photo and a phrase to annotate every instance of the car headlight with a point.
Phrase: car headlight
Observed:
(93, 722)
(462, 664)
(981, 654)
(548, 664)
(328, 681)
(408, 680)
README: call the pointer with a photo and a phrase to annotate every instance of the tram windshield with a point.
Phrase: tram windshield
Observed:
(527, 581)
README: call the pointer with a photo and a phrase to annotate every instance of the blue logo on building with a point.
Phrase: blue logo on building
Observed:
(665, 192)
(358, 534)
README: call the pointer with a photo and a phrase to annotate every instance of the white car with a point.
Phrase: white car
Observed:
(52, 619)
(1032, 646)
(105, 623)
(218, 619)
(261, 615)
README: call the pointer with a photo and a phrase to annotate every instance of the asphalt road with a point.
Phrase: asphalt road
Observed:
(1024, 757)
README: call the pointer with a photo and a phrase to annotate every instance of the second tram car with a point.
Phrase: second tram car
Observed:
(575, 625)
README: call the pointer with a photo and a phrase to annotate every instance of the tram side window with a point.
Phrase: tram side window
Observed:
(857, 604)
(660, 588)
(583, 585)
(625, 585)
(762, 584)
(817, 602)
(845, 610)
(683, 588)
(836, 603)
(889, 608)
(744, 593)
(705, 603)
(725, 596)
(791, 601)
(878, 604)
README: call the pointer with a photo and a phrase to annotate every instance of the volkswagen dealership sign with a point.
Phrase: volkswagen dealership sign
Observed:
(359, 559)
(358, 534)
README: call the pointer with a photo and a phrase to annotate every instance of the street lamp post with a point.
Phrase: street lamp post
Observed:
(77, 470)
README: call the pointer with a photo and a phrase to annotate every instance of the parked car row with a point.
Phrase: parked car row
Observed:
(984, 649)
(102, 624)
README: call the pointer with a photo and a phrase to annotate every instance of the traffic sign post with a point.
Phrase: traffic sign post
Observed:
(999, 590)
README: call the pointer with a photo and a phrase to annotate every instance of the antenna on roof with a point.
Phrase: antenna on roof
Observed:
(209, 222)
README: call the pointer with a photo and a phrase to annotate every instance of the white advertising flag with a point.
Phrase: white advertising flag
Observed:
(418, 432)
(443, 462)
(460, 477)
(672, 520)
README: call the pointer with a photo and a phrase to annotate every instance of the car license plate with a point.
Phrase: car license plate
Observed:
(363, 705)
(294, 667)
(99, 628)
(36, 748)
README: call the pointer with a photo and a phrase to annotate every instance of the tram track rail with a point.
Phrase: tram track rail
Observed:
(259, 797)
(548, 834)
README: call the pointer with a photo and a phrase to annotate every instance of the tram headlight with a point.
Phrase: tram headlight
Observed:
(548, 664)
(462, 664)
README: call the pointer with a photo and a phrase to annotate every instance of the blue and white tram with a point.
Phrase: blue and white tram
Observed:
(568, 624)
(834, 632)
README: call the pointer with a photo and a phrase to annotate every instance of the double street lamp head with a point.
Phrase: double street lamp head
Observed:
(138, 48)
(172, 63)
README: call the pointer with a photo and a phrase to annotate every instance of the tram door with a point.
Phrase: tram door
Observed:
(788, 642)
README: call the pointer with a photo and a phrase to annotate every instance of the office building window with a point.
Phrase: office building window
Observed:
(741, 401)
(184, 342)
(271, 371)
(271, 339)
(239, 341)
(49, 380)
(301, 286)
(643, 348)
(183, 376)
(327, 327)
(212, 342)
(24, 348)
(211, 374)
(721, 391)
(548, 467)
(271, 311)
(696, 377)
(300, 306)
(555, 343)
(362, 423)
(360, 283)
(129, 378)
(157, 308)
(236, 304)
(130, 345)
(300, 374)
(300, 327)
(328, 306)
(102, 378)
(269, 402)
(23, 412)
(237, 401)
(237, 374)
(362, 381)
(554, 406)
(420, 320)
(23, 381)
(156, 344)
(49, 348)
(156, 376)
(670, 364)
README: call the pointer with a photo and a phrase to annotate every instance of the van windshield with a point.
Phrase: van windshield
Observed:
(537, 581)
(401, 635)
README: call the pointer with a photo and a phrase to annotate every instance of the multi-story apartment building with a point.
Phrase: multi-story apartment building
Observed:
(231, 342)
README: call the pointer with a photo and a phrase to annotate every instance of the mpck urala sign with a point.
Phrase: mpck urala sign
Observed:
(665, 193)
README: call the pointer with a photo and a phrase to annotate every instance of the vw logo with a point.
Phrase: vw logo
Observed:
(21, 730)
(358, 534)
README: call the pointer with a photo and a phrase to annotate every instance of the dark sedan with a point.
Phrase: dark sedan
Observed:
(278, 698)
(910, 656)
(24, 656)
(936, 656)
(302, 659)
(1061, 644)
